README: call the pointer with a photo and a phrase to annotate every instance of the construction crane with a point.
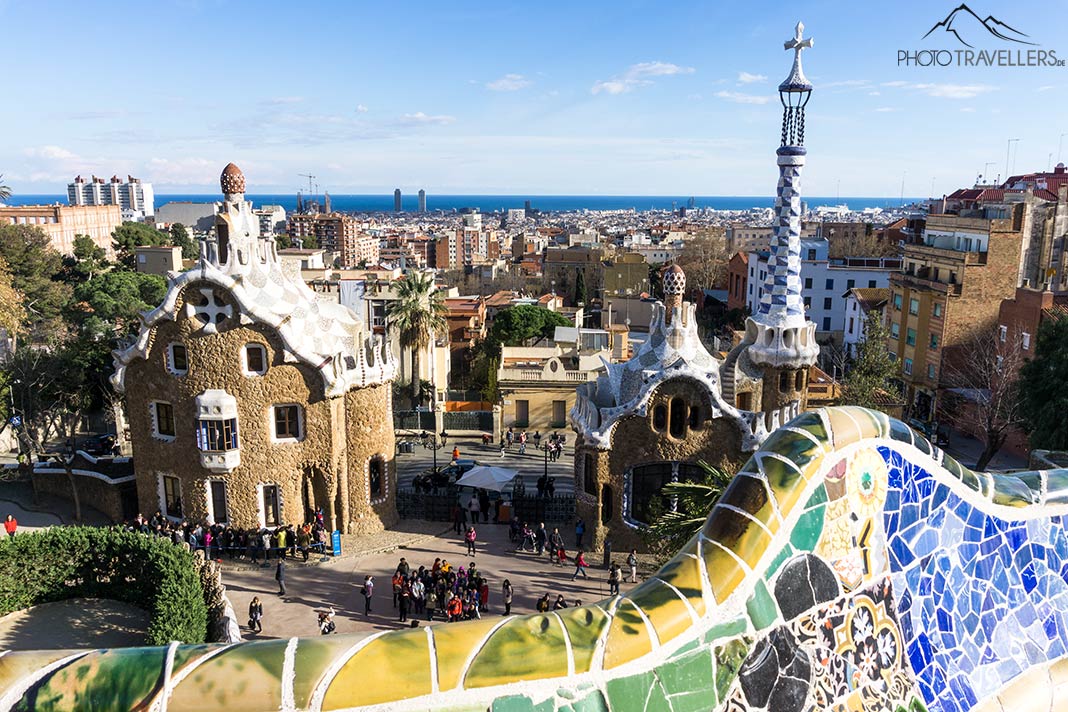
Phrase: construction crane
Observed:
(310, 178)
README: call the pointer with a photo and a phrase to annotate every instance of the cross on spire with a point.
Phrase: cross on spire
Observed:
(796, 81)
(797, 44)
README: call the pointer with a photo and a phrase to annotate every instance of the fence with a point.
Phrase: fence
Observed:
(413, 420)
(438, 507)
(481, 420)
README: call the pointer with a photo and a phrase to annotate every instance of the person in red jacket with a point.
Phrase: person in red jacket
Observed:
(11, 524)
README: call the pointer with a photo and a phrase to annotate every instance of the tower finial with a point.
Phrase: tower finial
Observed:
(795, 91)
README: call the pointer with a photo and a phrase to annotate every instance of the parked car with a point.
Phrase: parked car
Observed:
(98, 445)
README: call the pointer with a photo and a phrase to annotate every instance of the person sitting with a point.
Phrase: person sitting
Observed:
(326, 622)
(559, 602)
(543, 604)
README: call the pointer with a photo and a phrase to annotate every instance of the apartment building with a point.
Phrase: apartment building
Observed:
(63, 222)
(957, 270)
(336, 233)
(135, 198)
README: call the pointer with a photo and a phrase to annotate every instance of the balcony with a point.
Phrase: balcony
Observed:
(923, 252)
(921, 280)
(536, 375)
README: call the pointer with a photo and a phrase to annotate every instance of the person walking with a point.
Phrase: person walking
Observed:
(506, 594)
(523, 443)
(444, 437)
(556, 547)
(502, 448)
(398, 582)
(280, 576)
(455, 453)
(510, 437)
(473, 508)
(367, 591)
(615, 576)
(255, 615)
(458, 518)
(469, 538)
(632, 562)
(10, 525)
(405, 599)
(541, 538)
(580, 566)
(484, 505)
(580, 531)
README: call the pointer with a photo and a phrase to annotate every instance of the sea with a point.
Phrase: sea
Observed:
(500, 203)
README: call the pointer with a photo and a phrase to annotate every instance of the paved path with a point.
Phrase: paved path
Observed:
(337, 583)
(76, 623)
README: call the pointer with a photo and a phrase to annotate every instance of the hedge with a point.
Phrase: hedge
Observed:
(59, 563)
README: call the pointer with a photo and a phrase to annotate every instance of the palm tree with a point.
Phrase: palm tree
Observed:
(418, 314)
(693, 501)
(5, 191)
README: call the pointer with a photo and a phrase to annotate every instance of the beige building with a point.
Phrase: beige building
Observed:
(159, 260)
(63, 222)
(252, 402)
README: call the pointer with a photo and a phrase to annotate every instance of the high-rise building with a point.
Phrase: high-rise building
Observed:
(397, 200)
(336, 233)
(422, 200)
(134, 197)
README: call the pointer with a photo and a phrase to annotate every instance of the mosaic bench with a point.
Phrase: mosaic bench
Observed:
(851, 565)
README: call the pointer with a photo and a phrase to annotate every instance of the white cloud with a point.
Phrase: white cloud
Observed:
(885, 109)
(509, 82)
(361, 109)
(638, 75)
(846, 83)
(183, 171)
(421, 119)
(740, 98)
(55, 153)
(944, 91)
(1047, 87)
(281, 100)
(747, 78)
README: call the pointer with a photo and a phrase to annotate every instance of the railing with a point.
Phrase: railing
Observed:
(536, 374)
(468, 420)
(413, 420)
(929, 283)
(438, 507)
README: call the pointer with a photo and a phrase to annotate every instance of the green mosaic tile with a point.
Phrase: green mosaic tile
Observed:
(624, 691)
(968, 478)
(819, 496)
(1033, 480)
(811, 422)
(807, 531)
(750, 494)
(689, 682)
(1056, 486)
(123, 678)
(513, 703)
(726, 630)
(785, 553)
(785, 482)
(761, 607)
(793, 446)
(594, 702)
(729, 659)
(953, 466)
(686, 648)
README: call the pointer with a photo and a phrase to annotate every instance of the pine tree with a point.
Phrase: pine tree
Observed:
(868, 382)
(1043, 388)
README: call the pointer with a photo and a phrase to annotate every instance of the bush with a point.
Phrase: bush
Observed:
(59, 563)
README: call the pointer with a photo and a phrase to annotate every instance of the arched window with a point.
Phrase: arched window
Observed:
(678, 418)
(799, 380)
(784, 381)
(589, 474)
(660, 418)
(376, 477)
(606, 504)
(695, 417)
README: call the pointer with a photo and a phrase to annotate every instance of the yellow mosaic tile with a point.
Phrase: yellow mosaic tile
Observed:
(398, 663)
(313, 657)
(846, 429)
(628, 638)
(584, 625)
(247, 676)
(663, 607)
(724, 572)
(1030, 691)
(506, 656)
(453, 644)
(785, 481)
(15, 667)
(750, 494)
(684, 573)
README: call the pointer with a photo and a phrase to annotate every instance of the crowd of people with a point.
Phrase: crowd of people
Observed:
(441, 592)
(554, 444)
(253, 545)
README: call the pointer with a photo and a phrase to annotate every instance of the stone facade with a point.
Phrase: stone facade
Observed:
(250, 401)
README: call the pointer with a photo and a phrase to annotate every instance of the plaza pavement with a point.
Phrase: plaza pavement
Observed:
(336, 582)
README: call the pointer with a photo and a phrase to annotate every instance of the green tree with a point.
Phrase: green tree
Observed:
(518, 325)
(868, 383)
(418, 315)
(674, 527)
(34, 265)
(491, 391)
(704, 258)
(131, 235)
(180, 238)
(110, 302)
(1043, 388)
(580, 288)
(88, 260)
(12, 313)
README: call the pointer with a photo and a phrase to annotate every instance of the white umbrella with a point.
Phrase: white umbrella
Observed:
(488, 478)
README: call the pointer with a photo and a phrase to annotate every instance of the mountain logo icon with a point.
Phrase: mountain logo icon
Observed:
(965, 25)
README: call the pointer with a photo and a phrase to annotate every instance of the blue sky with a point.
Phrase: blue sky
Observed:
(512, 97)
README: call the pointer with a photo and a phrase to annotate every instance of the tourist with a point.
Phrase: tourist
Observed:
(485, 440)
(367, 591)
(523, 443)
(537, 439)
(455, 609)
(550, 487)
(502, 448)
(10, 525)
(255, 615)
(304, 541)
(458, 518)
(556, 547)
(403, 568)
(484, 504)
(542, 605)
(326, 622)
(398, 582)
(418, 593)
(541, 538)
(431, 603)
(444, 437)
(405, 602)
(559, 602)
(455, 453)
(473, 508)
(540, 485)
(469, 538)
(580, 566)
(280, 576)
(632, 562)
(510, 437)
(506, 593)
(615, 576)
(580, 531)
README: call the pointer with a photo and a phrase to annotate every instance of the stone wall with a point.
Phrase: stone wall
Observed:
(105, 497)
(309, 472)
(369, 428)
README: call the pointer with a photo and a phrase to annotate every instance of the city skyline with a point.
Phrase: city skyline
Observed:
(534, 101)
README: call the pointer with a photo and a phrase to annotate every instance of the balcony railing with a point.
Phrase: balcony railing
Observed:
(536, 374)
(916, 280)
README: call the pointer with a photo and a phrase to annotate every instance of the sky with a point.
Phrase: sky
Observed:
(549, 98)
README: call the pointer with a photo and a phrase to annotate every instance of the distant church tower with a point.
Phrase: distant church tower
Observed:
(768, 371)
